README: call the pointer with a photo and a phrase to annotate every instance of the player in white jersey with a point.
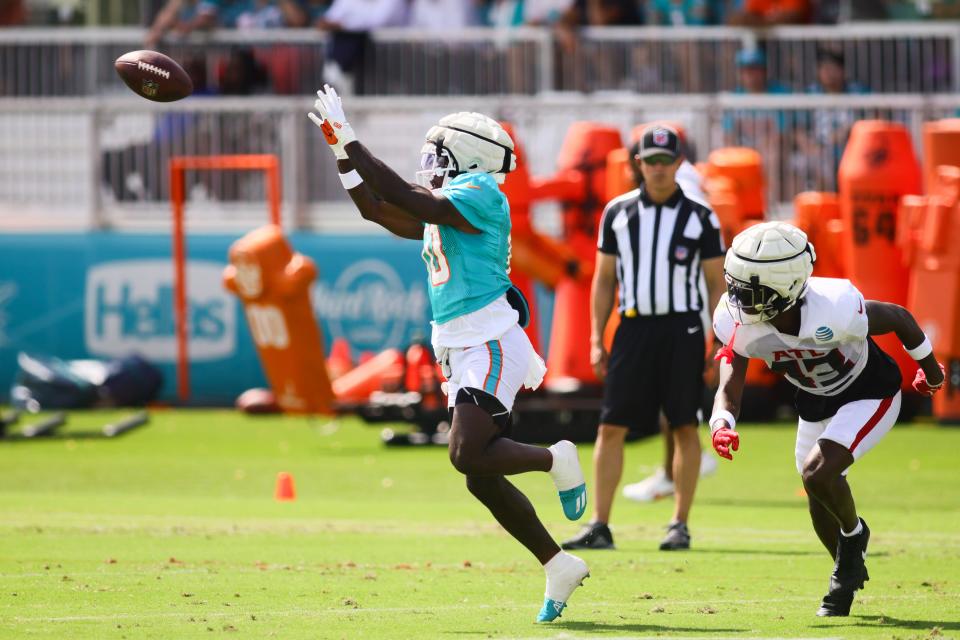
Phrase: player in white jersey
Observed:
(462, 220)
(816, 332)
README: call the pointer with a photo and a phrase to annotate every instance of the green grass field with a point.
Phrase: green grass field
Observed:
(172, 532)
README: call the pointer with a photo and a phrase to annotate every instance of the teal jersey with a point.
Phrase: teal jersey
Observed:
(466, 272)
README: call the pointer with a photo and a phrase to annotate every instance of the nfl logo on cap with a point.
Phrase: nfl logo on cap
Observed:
(660, 137)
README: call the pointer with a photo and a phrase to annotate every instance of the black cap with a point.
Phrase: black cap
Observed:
(659, 140)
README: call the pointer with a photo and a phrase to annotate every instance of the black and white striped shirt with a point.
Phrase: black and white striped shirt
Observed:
(659, 248)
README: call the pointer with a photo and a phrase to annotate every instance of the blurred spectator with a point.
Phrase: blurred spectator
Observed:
(602, 13)
(514, 13)
(598, 61)
(267, 14)
(315, 9)
(544, 12)
(504, 13)
(242, 75)
(820, 139)
(760, 13)
(349, 23)
(440, 15)
(945, 9)
(682, 12)
(827, 11)
(278, 64)
(912, 9)
(759, 129)
(752, 73)
(182, 17)
(854, 10)
(693, 69)
(832, 75)
(12, 13)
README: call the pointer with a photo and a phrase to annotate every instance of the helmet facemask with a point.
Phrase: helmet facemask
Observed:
(471, 143)
(753, 302)
(437, 166)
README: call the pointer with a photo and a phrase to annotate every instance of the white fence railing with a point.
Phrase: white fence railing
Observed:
(87, 162)
(886, 58)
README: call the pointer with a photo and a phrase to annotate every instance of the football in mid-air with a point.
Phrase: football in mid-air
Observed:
(154, 76)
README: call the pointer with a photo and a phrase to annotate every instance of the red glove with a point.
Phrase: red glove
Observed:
(923, 387)
(725, 439)
(724, 353)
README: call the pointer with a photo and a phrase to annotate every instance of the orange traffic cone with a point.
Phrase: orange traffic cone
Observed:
(284, 491)
(339, 361)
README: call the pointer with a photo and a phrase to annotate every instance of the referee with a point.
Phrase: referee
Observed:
(654, 242)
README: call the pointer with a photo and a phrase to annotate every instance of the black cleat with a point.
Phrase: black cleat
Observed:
(836, 604)
(594, 535)
(849, 573)
(677, 538)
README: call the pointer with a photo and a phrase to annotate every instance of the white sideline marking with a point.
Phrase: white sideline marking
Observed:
(430, 609)
(194, 525)
(570, 636)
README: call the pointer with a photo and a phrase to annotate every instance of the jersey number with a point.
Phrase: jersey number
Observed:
(884, 226)
(268, 326)
(814, 373)
(435, 258)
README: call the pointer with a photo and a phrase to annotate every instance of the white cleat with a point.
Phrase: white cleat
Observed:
(565, 572)
(708, 464)
(659, 486)
(649, 489)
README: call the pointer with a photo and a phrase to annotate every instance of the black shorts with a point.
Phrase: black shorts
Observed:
(656, 363)
(879, 379)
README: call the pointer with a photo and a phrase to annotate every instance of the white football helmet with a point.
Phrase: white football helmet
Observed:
(766, 270)
(465, 142)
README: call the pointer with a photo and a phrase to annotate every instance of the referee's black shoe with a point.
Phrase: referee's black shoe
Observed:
(849, 573)
(593, 535)
(677, 538)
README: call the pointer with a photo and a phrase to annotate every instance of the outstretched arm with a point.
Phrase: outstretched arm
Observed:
(726, 406)
(418, 202)
(372, 208)
(884, 317)
(415, 201)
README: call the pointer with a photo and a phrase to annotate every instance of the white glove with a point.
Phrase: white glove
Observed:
(443, 359)
(332, 121)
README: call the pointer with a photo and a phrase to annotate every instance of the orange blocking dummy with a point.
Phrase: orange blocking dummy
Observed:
(818, 215)
(535, 257)
(941, 146)
(878, 168)
(935, 281)
(272, 282)
(735, 187)
(583, 157)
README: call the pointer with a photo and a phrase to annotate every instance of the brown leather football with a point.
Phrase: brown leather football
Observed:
(154, 76)
(257, 401)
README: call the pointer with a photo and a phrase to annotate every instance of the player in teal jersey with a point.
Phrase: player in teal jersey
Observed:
(463, 220)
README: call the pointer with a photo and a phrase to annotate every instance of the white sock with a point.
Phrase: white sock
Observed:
(556, 562)
(563, 575)
(565, 468)
(856, 530)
